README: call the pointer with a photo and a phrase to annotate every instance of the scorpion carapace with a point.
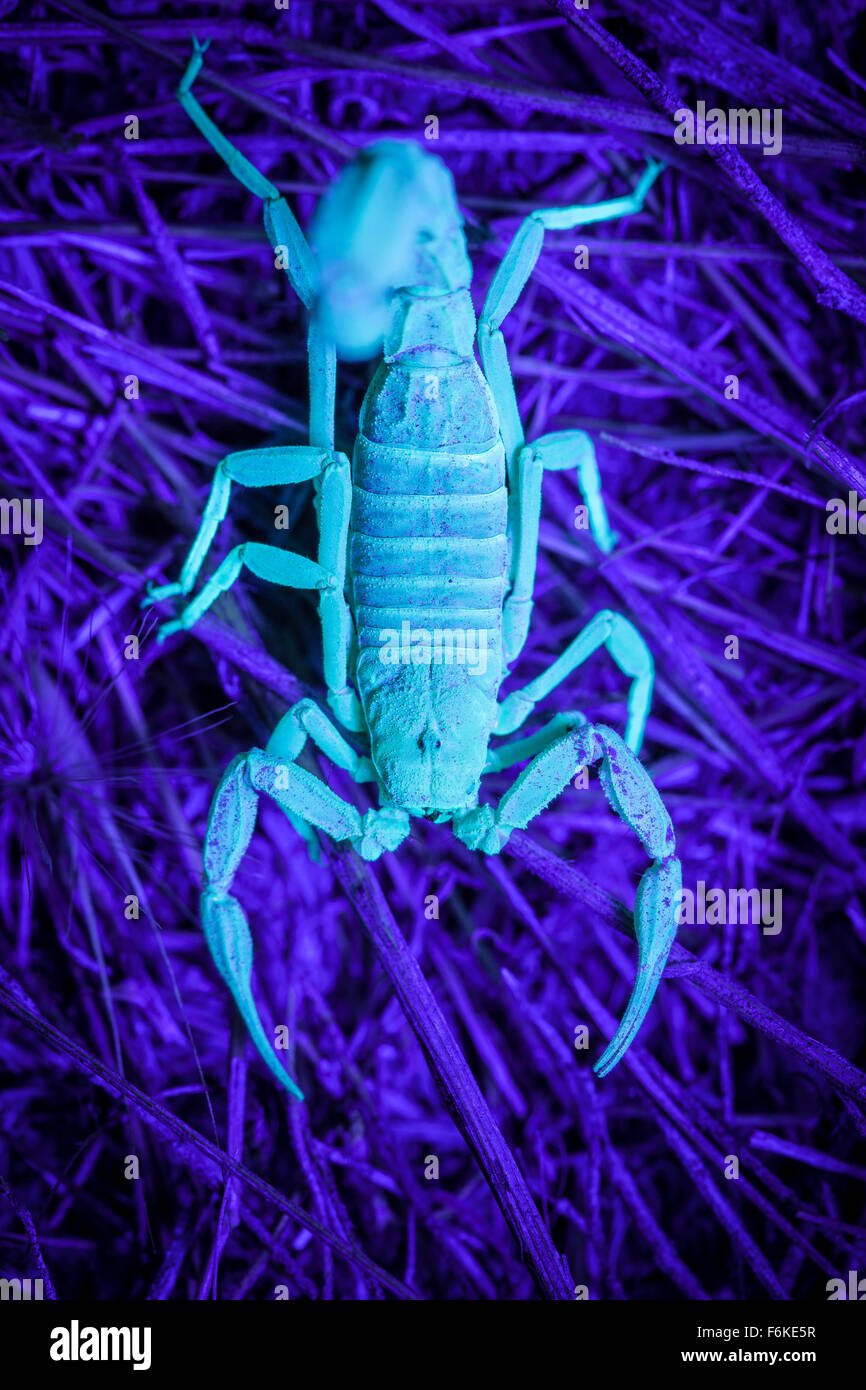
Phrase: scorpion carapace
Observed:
(427, 556)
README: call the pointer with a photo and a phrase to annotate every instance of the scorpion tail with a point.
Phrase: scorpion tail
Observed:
(372, 233)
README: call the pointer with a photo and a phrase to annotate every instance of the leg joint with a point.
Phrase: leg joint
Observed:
(305, 709)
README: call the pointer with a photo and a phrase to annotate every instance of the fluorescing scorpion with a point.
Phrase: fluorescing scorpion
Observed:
(426, 560)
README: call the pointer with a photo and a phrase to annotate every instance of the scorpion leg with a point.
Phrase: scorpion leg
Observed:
(563, 449)
(268, 562)
(296, 258)
(634, 798)
(293, 250)
(629, 651)
(300, 266)
(524, 471)
(334, 509)
(520, 749)
(268, 467)
(263, 468)
(305, 798)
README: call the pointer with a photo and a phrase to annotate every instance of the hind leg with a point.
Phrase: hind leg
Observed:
(634, 798)
(308, 802)
(562, 449)
(293, 250)
(508, 283)
(334, 488)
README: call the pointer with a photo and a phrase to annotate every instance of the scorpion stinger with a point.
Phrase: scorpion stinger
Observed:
(426, 564)
(367, 235)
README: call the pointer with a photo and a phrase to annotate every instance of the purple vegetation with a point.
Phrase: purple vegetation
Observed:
(141, 258)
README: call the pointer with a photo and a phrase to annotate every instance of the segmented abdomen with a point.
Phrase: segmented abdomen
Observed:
(428, 537)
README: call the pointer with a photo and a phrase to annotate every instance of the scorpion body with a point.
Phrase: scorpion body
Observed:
(428, 553)
(426, 562)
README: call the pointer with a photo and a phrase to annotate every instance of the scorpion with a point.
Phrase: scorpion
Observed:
(429, 533)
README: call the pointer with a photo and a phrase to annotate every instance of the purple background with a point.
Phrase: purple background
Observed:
(143, 258)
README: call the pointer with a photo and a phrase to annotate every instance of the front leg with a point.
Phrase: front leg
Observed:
(630, 653)
(634, 798)
(306, 721)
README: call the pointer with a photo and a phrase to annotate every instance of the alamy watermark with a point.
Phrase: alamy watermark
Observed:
(77, 1343)
(853, 1288)
(715, 907)
(846, 516)
(441, 646)
(738, 126)
(21, 1290)
(22, 516)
